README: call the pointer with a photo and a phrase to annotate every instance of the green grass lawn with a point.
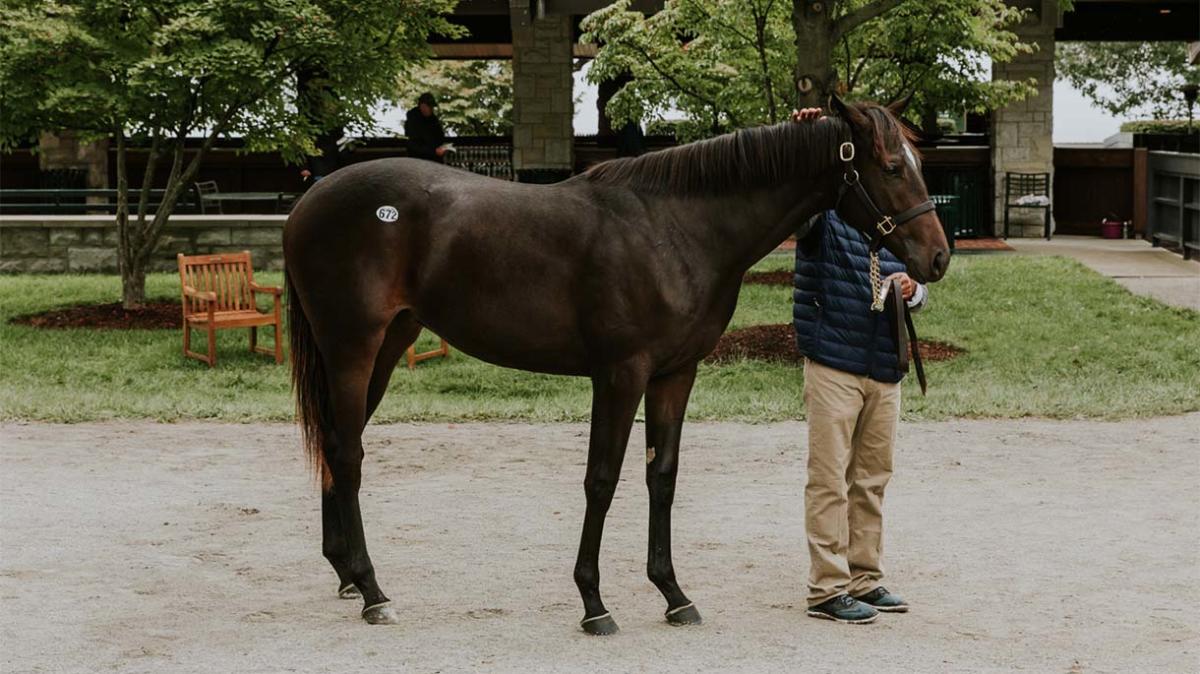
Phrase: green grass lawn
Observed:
(1045, 337)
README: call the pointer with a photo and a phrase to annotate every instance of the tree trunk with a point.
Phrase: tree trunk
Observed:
(133, 285)
(133, 274)
(817, 33)
(929, 120)
(815, 77)
(316, 101)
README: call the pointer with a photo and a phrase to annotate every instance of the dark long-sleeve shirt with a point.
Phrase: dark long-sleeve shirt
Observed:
(425, 135)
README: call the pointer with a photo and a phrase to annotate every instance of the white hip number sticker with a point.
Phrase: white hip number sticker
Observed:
(387, 214)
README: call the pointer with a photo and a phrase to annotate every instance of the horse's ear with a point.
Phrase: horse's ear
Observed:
(847, 112)
(897, 108)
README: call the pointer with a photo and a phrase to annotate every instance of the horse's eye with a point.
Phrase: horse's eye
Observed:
(892, 168)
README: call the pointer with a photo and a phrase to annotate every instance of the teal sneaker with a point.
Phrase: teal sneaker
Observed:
(844, 609)
(884, 601)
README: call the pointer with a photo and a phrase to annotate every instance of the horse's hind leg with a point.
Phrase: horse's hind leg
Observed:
(400, 335)
(349, 364)
(615, 397)
(666, 402)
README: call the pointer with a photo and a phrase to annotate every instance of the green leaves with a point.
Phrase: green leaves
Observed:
(474, 97)
(169, 69)
(939, 50)
(722, 64)
(198, 66)
(1128, 78)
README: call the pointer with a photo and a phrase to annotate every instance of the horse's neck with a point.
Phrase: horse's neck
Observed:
(742, 228)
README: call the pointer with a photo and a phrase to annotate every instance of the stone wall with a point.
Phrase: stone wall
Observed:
(64, 150)
(543, 102)
(88, 243)
(1022, 133)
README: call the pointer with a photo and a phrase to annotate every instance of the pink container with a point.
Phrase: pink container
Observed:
(1110, 229)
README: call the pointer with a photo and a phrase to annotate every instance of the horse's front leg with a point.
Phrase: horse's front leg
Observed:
(615, 396)
(666, 403)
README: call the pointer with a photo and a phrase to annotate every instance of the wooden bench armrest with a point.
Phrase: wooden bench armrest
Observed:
(206, 296)
(276, 291)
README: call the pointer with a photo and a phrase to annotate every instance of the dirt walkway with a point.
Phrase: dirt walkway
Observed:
(1033, 545)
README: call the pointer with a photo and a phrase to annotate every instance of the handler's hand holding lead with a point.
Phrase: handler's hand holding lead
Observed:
(907, 285)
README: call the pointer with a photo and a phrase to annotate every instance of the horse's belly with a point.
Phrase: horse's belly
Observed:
(523, 341)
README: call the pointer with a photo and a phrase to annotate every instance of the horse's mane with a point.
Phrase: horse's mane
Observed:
(762, 156)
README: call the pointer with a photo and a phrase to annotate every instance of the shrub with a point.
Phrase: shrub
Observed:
(1177, 126)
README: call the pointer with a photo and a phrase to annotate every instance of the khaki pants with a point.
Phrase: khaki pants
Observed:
(851, 430)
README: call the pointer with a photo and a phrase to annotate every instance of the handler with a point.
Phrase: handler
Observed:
(426, 138)
(852, 396)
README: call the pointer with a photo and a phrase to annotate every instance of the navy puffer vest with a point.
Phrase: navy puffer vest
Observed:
(832, 302)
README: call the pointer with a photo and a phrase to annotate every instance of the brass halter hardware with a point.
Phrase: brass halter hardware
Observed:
(884, 225)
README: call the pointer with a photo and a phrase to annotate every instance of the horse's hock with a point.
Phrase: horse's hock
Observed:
(88, 243)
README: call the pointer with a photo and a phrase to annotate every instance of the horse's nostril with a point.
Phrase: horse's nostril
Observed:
(941, 260)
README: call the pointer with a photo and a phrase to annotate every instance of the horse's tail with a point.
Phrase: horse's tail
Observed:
(308, 381)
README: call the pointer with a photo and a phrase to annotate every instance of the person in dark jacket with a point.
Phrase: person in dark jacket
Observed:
(852, 398)
(424, 130)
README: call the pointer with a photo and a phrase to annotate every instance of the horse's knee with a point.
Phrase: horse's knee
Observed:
(587, 578)
(661, 486)
(599, 491)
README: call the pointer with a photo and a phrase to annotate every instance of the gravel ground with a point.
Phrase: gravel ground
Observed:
(1022, 545)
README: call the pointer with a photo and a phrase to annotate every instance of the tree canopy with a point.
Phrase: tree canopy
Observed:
(729, 63)
(1129, 78)
(275, 72)
(474, 97)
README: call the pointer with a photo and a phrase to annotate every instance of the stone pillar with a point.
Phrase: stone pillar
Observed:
(543, 96)
(64, 150)
(1022, 133)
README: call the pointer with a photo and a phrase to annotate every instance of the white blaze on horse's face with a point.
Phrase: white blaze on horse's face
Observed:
(911, 158)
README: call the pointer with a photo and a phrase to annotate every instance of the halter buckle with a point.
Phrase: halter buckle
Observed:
(886, 225)
(846, 151)
(850, 176)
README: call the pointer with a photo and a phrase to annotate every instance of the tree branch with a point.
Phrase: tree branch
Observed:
(670, 78)
(727, 26)
(760, 29)
(853, 19)
(148, 175)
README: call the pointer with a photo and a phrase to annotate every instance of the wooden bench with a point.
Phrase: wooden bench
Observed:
(218, 293)
(414, 357)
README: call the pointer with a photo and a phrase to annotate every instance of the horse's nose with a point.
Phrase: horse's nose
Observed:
(941, 260)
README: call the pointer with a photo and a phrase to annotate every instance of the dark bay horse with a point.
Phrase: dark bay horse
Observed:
(626, 274)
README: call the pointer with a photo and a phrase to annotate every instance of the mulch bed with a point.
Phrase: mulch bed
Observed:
(157, 315)
(960, 244)
(777, 343)
(769, 278)
(981, 244)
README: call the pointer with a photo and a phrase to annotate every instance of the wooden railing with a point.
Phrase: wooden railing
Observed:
(83, 201)
(1173, 201)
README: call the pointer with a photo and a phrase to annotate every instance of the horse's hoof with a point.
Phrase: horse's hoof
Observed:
(684, 615)
(600, 625)
(349, 591)
(381, 614)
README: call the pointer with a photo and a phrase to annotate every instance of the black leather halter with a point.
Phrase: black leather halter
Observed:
(906, 336)
(884, 224)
